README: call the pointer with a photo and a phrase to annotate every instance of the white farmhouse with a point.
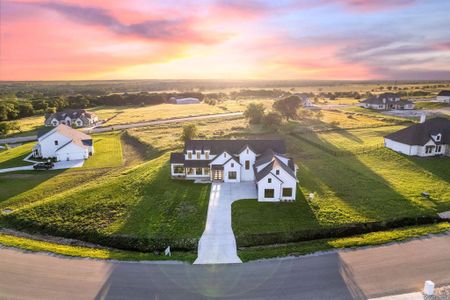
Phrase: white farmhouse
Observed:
(260, 161)
(71, 117)
(428, 138)
(387, 101)
(64, 143)
(443, 96)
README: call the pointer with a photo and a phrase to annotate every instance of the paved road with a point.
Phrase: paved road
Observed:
(218, 244)
(23, 139)
(15, 169)
(359, 274)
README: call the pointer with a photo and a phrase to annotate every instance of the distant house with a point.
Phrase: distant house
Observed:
(189, 100)
(305, 98)
(260, 161)
(63, 143)
(73, 117)
(428, 138)
(443, 96)
(387, 101)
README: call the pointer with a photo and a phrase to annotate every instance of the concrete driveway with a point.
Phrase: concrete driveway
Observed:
(218, 244)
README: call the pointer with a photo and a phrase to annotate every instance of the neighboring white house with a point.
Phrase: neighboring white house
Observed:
(443, 96)
(72, 117)
(63, 143)
(387, 101)
(261, 161)
(306, 101)
(189, 100)
(428, 138)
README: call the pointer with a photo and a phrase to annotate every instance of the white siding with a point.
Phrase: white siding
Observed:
(72, 152)
(264, 184)
(247, 155)
(400, 147)
(232, 166)
(48, 147)
(443, 99)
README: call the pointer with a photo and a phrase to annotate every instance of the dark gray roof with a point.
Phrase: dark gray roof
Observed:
(177, 158)
(235, 146)
(419, 134)
(378, 99)
(194, 163)
(266, 157)
(276, 162)
(444, 93)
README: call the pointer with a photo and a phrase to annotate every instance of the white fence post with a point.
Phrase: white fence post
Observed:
(428, 289)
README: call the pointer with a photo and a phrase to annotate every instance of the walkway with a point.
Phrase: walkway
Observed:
(353, 274)
(218, 244)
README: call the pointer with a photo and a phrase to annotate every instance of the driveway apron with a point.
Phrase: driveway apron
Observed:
(218, 244)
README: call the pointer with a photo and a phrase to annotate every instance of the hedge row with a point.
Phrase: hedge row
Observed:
(259, 239)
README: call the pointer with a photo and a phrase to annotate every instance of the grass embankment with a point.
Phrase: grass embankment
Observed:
(141, 209)
(107, 151)
(13, 157)
(368, 239)
(89, 252)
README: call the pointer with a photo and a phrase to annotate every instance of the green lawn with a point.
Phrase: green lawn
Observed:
(381, 185)
(81, 251)
(107, 151)
(140, 203)
(368, 239)
(13, 157)
(431, 105)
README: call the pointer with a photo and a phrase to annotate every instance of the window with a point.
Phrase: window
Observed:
(206, 171)
(269, 180)
(247, 165)
(438, 148)
(206, 154)
(269, 193)
(56, 143)
(198, 171)
(287, 192)
(232, 165)
(190, 171)
(232, 175)
(198, 154)
(247, 151)
(225, 155)
(189, 155)
(178, 170)
(429, 149)
(438, 138)
(277, 172)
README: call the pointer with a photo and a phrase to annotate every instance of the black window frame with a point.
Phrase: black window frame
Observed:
(290, 194)
(231, 177)
(268, 191)
(247, 165)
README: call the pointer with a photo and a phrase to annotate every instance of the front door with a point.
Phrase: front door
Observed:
(218, 174)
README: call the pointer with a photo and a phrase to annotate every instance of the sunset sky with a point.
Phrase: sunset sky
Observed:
(305, 39)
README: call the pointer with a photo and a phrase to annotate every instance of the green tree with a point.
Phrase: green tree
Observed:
(255, 113)
(288, 107)
(273, 119)
(189, 132)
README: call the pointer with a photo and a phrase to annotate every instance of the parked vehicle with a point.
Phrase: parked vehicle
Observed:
(43, 166)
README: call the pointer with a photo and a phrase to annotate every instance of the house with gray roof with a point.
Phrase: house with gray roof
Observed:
(387, 101)
(71, 117)
(63, 143)
(428, 138)
(260, 161)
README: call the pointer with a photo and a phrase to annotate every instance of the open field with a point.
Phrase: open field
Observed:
(107, 151)
(431, 105)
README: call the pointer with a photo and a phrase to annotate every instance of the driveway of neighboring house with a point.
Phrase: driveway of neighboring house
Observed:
(24, 168)
(218, 244)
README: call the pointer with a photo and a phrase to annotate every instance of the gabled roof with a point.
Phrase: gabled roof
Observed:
(444, 93)
(234, 146)
(71, 113)
(420, 134)
(68, 132)
(267, 156)
(177, 158)
(272, 165)
(385, 98)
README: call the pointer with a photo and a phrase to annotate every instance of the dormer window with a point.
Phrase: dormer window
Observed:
(198, 154)
(438, 137)
(189, 155)
(206, 154)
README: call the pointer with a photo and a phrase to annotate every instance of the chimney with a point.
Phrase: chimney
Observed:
(423, 117)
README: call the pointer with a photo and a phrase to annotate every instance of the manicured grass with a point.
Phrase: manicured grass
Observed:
(382, 185)
(89, 252)
(143, 202)
(368, 239)
(107, 151)
(431, 105)
(13, 157)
